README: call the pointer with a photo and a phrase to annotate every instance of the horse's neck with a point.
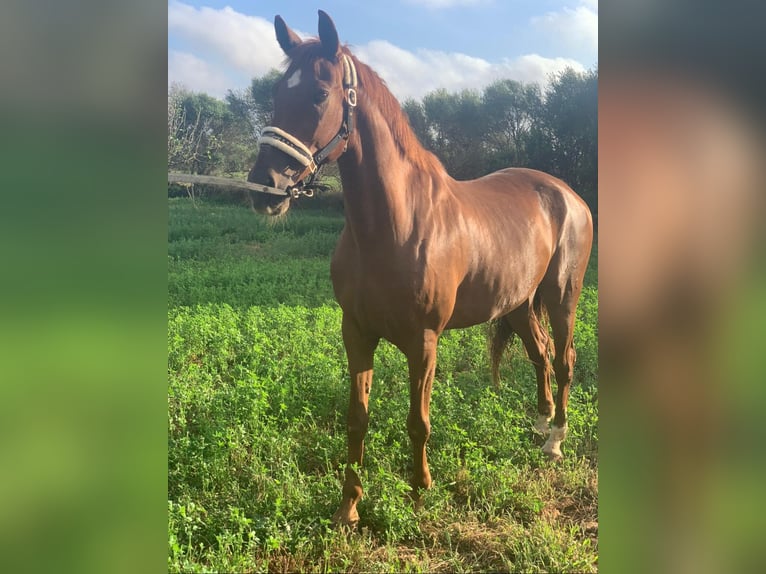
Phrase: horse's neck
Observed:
(377, 183)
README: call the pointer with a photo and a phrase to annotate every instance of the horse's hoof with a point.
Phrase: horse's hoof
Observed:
(554, 456)
(552, 446)
(346, 520)
(416, 499)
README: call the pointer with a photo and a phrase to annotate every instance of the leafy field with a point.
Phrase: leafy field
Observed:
(258, 389)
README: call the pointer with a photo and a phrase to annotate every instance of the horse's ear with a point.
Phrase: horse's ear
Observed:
(287, 38)
(328, 35)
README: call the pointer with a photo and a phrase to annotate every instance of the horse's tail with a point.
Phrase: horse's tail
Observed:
(541, 312)
(501, 337)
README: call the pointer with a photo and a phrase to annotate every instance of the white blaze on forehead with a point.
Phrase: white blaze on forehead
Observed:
(294, 80)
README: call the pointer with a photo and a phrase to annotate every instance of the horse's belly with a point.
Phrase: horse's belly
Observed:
(386, 306)
(479, 301)
(394, 302)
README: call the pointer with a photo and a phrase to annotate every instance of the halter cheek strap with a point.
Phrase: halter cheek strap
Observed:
(297, 150)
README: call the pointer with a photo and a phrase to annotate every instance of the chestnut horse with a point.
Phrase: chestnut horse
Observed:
(421, 252)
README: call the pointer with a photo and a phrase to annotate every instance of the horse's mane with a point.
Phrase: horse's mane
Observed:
(374, 88)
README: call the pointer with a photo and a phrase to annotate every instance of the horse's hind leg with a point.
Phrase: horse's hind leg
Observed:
(561, 304)
(526, 324)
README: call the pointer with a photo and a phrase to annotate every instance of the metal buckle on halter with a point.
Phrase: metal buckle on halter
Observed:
(310, 170)
(351, 97)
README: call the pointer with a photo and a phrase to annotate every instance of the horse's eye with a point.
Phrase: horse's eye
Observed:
(321, 96)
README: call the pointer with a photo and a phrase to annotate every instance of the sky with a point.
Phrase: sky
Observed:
(416, 46)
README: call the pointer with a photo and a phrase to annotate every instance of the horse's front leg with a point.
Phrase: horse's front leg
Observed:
(421, 359)
(360, 349)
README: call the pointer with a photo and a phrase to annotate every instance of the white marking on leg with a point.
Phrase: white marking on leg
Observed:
(552, 446)
(541, 425)
(295, 79)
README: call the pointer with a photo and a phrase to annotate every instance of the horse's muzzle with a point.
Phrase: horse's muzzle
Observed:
(269, 202)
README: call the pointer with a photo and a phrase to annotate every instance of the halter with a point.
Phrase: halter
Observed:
(297, 150)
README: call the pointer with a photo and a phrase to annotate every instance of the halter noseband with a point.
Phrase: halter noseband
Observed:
(297, 150)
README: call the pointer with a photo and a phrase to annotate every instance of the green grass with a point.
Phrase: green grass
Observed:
(256, 423)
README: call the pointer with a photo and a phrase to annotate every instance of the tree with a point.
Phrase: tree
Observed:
(196, 124)
(457, 124)
(240, 136)
(207, 135)
(185, 142)
(416, 115)
(564, 140)
(510, 108)
(261, 95)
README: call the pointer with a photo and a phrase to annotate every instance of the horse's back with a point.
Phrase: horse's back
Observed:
(517, 183)
(523, 199)
(531, 199)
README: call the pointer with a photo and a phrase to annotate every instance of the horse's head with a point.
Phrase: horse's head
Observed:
(314, 105)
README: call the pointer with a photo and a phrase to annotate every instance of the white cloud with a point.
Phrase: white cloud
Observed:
(244, 42)
(572, 28)
(533, 68)
(415, 74)
(224, 45)
(196, 74)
